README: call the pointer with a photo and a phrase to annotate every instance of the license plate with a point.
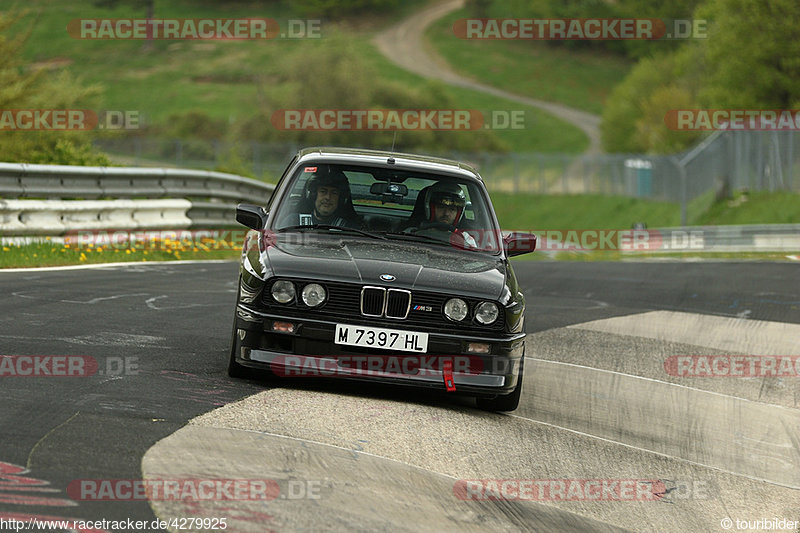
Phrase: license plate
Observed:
(388, 339)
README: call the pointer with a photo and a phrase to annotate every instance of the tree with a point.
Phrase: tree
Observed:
(15, 83)
(750, 60)
(752, 53)
(22, 87)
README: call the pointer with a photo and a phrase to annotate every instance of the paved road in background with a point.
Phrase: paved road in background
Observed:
(404, 44)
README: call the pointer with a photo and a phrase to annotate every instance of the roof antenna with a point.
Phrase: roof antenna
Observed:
(391, 159)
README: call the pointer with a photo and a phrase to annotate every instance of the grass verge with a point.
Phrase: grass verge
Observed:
(754, 208)
(46, 254)
(515, 211)
(50, 253)
(528, 212)
(523, 212)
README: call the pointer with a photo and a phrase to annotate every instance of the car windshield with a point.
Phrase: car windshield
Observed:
(394, 204)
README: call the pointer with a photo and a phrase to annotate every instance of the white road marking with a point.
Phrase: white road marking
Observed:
(152, 305)
(92, 301)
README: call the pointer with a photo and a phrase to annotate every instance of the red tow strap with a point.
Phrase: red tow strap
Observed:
(447, 374)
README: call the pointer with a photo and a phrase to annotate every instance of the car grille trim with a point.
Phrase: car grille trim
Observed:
(373, 301)
(398, 303)
(379, 302)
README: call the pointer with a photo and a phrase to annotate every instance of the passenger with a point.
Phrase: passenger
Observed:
(327, 200)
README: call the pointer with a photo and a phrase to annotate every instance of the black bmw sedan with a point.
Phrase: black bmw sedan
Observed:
(380, 266)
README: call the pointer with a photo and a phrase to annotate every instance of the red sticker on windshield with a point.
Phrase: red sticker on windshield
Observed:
(310, 169)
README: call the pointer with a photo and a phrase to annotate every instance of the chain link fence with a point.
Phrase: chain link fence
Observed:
(724, 162)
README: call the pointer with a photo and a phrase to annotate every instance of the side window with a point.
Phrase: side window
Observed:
(469, 210)
(293, 204)
(477, 211)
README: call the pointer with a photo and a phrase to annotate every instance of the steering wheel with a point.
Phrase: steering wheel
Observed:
(437, 226)
(446, 232)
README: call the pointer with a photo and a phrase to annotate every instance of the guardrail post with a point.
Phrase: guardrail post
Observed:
(683, 194)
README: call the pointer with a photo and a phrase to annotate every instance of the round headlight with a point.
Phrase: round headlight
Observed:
(313, 294)
(283, 291)
(456, 309)
(486, 313)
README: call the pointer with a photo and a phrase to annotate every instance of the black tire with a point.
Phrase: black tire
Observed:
(508, 402)
(235, 370)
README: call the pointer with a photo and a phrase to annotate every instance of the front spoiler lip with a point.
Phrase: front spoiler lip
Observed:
(393, 381)
(389, 379)
(432, 376)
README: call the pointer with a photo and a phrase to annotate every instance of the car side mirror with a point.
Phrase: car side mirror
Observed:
(519, 243)
(252, 216)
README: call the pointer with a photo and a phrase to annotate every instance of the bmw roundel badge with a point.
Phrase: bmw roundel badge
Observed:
(387, 277)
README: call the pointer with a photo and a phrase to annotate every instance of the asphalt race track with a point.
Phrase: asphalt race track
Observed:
(599, 405)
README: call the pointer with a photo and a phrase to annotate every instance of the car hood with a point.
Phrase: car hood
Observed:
(414, 265)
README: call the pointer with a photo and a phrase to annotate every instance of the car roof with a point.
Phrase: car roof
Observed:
(386, 159)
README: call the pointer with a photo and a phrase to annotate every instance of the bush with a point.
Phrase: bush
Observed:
(23, 87)
(336, 76)
(68, 152)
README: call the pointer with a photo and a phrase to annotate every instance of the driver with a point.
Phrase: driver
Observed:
(328, 200)
(445, 205)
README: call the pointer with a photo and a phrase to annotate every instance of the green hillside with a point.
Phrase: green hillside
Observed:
(229, 89)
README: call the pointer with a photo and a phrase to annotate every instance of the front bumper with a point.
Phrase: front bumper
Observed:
(310, 351)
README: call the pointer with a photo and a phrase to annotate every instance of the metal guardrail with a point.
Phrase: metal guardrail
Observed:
(20, 180)
(46, 198)
(57, 217)
(756, 237)
(742, 238)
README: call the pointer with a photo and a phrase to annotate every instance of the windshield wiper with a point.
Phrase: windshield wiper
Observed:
(415, 236)
(330, 227)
